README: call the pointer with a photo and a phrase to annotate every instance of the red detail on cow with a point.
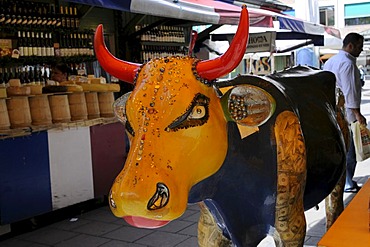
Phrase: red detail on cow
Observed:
(220, 66)
(123, 70)
(145, 222)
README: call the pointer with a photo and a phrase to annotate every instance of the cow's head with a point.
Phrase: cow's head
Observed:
(176, 123)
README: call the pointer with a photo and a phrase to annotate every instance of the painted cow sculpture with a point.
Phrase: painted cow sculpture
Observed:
(254, 151)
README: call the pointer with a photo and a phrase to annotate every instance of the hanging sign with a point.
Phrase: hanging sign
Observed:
(261, 42)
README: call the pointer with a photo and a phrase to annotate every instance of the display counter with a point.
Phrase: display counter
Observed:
(47, 169)
(352, 228)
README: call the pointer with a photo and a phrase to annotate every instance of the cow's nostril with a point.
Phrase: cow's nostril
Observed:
(160, 198)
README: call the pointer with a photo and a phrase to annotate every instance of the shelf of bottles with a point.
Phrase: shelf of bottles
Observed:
(33, 33)
(161, 41)
(38, 74)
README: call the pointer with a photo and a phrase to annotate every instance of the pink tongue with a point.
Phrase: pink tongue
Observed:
(145, 222)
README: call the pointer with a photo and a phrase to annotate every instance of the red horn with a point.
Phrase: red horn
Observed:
(120, 69)
(220, 66)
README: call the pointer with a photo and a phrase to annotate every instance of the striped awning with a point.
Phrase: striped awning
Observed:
(212, 12)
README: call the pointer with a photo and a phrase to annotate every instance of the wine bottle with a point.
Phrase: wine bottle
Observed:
(26, 76)
(67, 17)
(44, 15)
(38, 45)
(21, 74)
(34, 14)
(2, 14)
(8, 17)
(34, 45)
(6, 76)
(24, 13)
(75, 15)
(2, 82)
(43, 44)
(72, 18)
(29, 44)
(38, 11)
(50, 46)
(62, 16)
(19, 14)
(75, 45)
(20, 44)
(37, 76)
(25, 44)
(56, 21)
(31, 75)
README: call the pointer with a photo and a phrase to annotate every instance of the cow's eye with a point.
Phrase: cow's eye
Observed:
(195, 115)
(198, 112)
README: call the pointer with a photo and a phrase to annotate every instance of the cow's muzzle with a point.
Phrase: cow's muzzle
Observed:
(160, 198)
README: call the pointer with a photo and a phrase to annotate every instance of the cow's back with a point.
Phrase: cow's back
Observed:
(312, 94)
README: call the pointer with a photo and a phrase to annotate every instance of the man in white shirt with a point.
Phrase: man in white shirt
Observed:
(343, 65)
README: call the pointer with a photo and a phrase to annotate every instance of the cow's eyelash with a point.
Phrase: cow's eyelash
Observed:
(197, 114)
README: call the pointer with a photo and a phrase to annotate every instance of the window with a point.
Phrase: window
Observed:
(327, 16)
(356, 14)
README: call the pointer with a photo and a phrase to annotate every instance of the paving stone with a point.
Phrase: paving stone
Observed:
(128, 234)
(83, 241)
(162, 239)
(116, 243)
(96, 228)
(48, 236)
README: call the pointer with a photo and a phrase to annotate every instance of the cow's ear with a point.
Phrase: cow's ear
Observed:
(248, 105)
(119, 107)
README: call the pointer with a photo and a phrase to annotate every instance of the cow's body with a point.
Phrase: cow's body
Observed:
(244, 191)
(189, 143)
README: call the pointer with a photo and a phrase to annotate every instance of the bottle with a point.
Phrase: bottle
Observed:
(34, 45)
(16, 72)
(21, 75)
(67, 17)
(34, 15)
(62, 46)
(29, 14)
(90, 45)
(38, 45)
(2, 14)
(31, 76)
(37, 76)
(62, 17)
(19, 14)
(75, 45)
(45, 15)
(10, 75)
(50, 12)
(38, 11)
(56, 21)
(75, 15)
(29, 44)
(25, 44)
(24, 14)
(43, 44)
(2, 82)
(26, 76)
(6, 76)
(20, 44)
(72, 18)
(8, 12)
(50, 46)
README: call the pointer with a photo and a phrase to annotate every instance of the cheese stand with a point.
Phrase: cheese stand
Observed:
(56, 168)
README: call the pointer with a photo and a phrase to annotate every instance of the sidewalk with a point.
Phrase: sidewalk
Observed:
(99, 227)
